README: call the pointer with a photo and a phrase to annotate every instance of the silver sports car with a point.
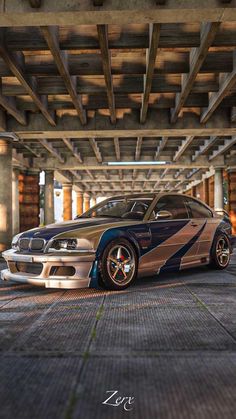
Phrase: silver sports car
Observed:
(120, 238)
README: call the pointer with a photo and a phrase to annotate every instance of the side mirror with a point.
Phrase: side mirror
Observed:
(163, 215)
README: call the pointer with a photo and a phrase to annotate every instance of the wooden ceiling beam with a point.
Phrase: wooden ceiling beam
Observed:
(89, 173)
(51, 150)
(138, 148)
(192, 173)
(172, 36)
(65, 176)
(183, 147)
(156, 184)
(76, 174)
(72, 148)
(107, 176)
(95, 149)
(9, 104)
(117, 148)
(223, 148)
(30, 149)
(160, 147)
(178, 173)
(208, 143)
(233, 114)
(127, 180)
(16, 64)
(158, 125)
(154, 35)
(144, 185)
(51, 35)
(106, 63)
(149, 174)
(196, 59)
(134, 174)
(164, 173)
(84, 13)
(19, 159)
(226, 83)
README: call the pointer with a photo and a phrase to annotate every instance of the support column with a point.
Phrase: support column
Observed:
(232, 197)
(218, 190)
(79, 203)
(194, 191)
(49, 197)
(15, 202)
(5, 194)
(93, 201)
(206, 191)
(86, 202)
(67, 201)
(29, 199)
(211, 191)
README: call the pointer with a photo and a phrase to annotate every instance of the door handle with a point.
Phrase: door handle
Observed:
(194, 224)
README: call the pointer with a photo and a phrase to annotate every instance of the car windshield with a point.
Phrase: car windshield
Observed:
(124, 208)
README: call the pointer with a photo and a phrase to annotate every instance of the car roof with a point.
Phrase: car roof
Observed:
(146, 195)
(136, 195)
(159, 194)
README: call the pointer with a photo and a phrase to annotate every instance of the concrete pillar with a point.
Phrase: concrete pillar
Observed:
(67, 201)
(232, 197)
(79, 203)
(29, 199)
(211, 191)
(49, 197)
(86, 202)
(206, 191)
(218, 190)
(5, 194)
(15, 202)
(93, 201)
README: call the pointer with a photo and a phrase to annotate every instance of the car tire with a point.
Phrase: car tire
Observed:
(118, 266)
(220, 252)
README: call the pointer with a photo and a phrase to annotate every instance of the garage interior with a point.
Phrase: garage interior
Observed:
(109, 98)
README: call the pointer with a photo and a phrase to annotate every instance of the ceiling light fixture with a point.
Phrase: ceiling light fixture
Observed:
(137, 163)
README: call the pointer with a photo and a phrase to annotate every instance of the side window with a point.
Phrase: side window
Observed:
(198, 210)
(174, 204)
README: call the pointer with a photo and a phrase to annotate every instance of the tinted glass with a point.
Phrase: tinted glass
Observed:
(121, 208)
(174, 204)
(197, 210)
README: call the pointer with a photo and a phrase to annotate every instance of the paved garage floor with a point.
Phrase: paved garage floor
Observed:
(169, 343)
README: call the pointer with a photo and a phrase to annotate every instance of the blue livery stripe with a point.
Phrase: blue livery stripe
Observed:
(175, 259)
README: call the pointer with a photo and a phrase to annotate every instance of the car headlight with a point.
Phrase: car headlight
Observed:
(14, 243)
(70, 244)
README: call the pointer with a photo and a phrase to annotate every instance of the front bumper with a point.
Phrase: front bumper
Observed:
(81, 262)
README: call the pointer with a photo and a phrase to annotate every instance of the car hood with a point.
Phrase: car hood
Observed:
(52, 230)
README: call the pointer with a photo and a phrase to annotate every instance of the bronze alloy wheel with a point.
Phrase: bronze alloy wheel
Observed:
(120, 264)
(222, 251)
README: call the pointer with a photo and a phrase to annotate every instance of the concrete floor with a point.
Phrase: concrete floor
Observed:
(170, 343)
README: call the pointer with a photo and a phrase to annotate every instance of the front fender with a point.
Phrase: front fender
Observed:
(114, 234)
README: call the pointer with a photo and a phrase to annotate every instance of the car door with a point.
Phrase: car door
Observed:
(202, 216)
(171, 238)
